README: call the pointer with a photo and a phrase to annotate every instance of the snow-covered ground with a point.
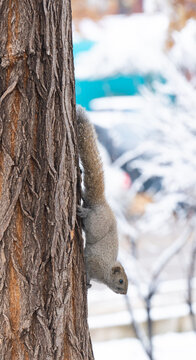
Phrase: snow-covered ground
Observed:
(167, 347)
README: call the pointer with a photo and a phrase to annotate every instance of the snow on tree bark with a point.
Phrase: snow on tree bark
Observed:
(43, 311)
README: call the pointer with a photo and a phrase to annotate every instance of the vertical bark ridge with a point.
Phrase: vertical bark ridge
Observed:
(1, 170)
(14, 117)
(14, 285)
(14, 309)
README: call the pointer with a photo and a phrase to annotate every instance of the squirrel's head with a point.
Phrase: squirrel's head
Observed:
(118, 279)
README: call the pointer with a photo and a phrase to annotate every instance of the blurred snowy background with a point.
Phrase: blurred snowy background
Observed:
(135, 68)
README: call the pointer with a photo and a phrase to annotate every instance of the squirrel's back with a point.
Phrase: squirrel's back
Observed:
(91, 161)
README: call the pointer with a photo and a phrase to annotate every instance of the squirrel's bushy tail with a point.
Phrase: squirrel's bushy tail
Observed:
(91, 161)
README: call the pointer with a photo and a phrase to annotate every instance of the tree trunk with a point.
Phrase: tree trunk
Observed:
(43, 311)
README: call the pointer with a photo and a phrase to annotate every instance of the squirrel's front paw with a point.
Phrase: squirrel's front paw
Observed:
(82, 212)
(88, 285)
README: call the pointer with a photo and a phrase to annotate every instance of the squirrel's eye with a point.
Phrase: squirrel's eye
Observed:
(121, 281)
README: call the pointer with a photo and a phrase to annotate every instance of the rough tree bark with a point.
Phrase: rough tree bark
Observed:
(43, 311)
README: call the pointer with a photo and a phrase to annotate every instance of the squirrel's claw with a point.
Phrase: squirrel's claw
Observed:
(88, 284)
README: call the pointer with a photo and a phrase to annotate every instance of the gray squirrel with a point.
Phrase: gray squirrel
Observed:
(99, 223)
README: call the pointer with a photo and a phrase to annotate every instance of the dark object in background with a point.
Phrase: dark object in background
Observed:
(121, 139)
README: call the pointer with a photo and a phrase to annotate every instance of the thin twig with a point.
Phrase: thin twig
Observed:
(190, 291)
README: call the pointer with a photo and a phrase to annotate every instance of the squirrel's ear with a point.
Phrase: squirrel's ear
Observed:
(116, 269)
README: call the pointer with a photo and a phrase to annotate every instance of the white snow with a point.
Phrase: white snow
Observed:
(124, 318)
(118, 103)
(182, 53)
(124, 45)
(171, 346)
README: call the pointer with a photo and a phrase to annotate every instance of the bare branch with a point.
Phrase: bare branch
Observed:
(138, 330)
(167, 255)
